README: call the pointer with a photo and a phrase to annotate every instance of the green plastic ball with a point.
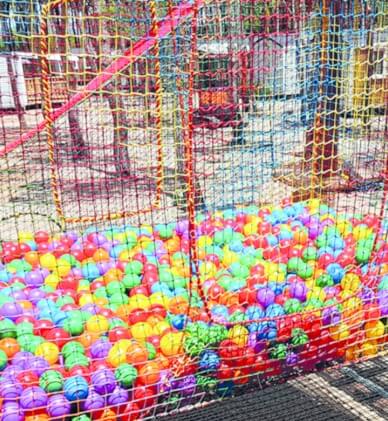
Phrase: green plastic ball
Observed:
(76, 359)
(131, 280)
(324, 280)
(7, 329)
(51, 381)
(72, 347)
(74, 326)
(135, 267)
(292, 306)
(126, 374)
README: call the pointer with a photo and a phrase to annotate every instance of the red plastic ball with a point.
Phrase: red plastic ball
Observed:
(141, 289)
(118, 333)
(158, 310)
(57, 335)
(43, 327)
(28, 379)
(41, 236)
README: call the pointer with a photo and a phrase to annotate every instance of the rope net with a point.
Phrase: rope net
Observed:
(193, 199)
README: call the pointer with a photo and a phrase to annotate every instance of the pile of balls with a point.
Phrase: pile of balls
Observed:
(114, 323)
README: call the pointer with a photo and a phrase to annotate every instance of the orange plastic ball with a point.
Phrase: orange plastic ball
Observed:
(178, 305)
(32, 257)
(113, 274)
(137, 354)
(87, 338)
(101, 255)
(10, 346)
(149, 374)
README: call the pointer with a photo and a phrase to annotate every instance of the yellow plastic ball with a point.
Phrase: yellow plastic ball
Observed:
(343, 226)
(25, 236)
(141, 330)
(48, 351)
(159, 298)
(140, 301)
(229, 258)
(118, 353)
(48, 261)
(52, 280)
(204, 241)
(340, 332)
(160, 327)
(350, 282)
(63, 267)
(374, 330)
(361, 232)
(250, 228)
(316, 293)
(172, 343)
(85, 299)
(97, 324)
(369, 349)
(207, 270)
(239, 335)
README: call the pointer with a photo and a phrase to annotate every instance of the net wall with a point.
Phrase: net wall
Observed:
(193, 199)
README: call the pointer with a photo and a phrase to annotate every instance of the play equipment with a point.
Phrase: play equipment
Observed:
(204, 209)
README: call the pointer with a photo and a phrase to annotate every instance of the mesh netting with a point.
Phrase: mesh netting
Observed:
(193, 202)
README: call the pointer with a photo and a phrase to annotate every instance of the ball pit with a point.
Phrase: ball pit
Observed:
(107, 324)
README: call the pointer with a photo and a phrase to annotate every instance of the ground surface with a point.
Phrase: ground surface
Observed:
(358, 392)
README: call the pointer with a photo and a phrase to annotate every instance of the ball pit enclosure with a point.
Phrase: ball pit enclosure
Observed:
(109, 322)
(203, 210)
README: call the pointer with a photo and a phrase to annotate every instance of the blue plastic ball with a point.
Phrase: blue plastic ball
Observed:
(76, 388)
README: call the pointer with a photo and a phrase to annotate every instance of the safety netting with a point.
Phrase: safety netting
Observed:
(193, 200)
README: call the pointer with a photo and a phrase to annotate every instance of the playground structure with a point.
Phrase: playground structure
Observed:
(209, 188)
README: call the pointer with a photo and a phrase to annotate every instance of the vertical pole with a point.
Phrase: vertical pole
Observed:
(325, 131)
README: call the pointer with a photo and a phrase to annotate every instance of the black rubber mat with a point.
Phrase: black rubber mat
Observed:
(363, 389)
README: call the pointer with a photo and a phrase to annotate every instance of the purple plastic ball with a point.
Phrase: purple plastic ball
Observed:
(10, 389)
(298, 290)
(19, 295)
(104, 381)
(11, 411)
(33, 397)
(58, 406)
(93, 401)
(292, 358)
(91, 308)
(383, 302)
(11, 310)
(22, 359)
(188, 385)
(39, 365)
(34, 278)
(265, 296)
(118, 396)
(165, 382)
(11, 372)
(331, 316)
(100, 349)
(34, 295)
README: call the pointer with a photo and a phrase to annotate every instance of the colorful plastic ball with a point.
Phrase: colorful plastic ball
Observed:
(51, 381)
(119, 396)
(48, 351)
(11, 411)
(265, 296)
(97, 324)
(58, 406)
(209, 361)
(75, 388)
(171, 344)
(125, 375)
(10, 390)
(149, 373)
(93, 402)
(33, 398)
(103, 381)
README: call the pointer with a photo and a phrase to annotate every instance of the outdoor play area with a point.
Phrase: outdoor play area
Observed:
(193, 209)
